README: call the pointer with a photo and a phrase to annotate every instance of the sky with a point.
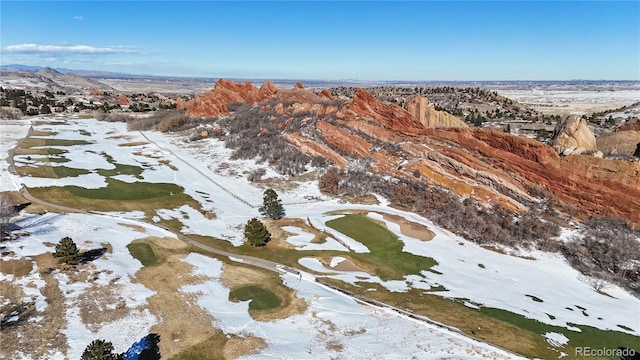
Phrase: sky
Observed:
(329, 40)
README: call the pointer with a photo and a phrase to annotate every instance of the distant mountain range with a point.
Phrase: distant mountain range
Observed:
(44, 78)
(86, 73)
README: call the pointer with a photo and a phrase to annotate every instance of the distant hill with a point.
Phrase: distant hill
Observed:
(44, 78)
(85, 73)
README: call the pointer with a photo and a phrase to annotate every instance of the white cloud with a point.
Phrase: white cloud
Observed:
(67, 49)
(78, 17)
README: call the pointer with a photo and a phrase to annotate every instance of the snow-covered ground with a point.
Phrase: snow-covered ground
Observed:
(359, 331)
(571, 97)
(116, 269)
(220, 185)
(11, 131)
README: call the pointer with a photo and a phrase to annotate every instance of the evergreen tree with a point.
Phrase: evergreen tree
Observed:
(256, 233)
(67, 251)
(271, 205)
(100, 350)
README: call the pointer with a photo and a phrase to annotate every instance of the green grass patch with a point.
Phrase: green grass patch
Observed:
(587, 337)
(40, 123)
(436, 288)
(120, 190)
(261, 299)
(39, 151)
(534, 298)
(58, 159)
(39, 142)
(495, 326)
(122, 169)
(118, 196)
(144, 252)
(386, 254)
(52, 172)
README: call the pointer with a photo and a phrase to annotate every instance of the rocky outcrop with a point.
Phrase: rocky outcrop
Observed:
(633, 124)
(427, 146)
(313, 148)
(213, 103)
(430, 118)
(590, 186)
(123, 100)
(325, 93)
(390, 116)
(572, 135)
(622, 143)
(341, 139)
(372, 131)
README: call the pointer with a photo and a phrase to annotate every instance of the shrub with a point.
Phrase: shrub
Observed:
(256, 174)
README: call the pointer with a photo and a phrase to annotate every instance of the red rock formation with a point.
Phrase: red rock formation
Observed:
(325, 93)
(299, 85)
(341, 139)
(390, 116)
(371, 130)
(214, 102)
(180, 104)
(418, 106)
(123, 100)
(589, 185)
(313, 148)
(493, 167)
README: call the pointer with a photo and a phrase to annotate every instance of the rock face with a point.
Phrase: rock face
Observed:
(389, 116)
(572, 134)
(213, 103)
(423, 145)
(619, 143)
(340, 138)
(123, 100)
(429, 117)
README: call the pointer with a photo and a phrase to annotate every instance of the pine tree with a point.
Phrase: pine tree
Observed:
(67, 251)
(271, 205)
(100, 350)
(256, 233)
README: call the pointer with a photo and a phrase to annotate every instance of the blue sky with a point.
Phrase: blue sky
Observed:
(399, 40)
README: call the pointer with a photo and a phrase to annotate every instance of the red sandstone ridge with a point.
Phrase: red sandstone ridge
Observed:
(326, 94)
(340, 138)
(213, 103)
(491, 167)
(314, 148)
(429, 117)
(123, 100)
(388, 115)
(589, 185)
